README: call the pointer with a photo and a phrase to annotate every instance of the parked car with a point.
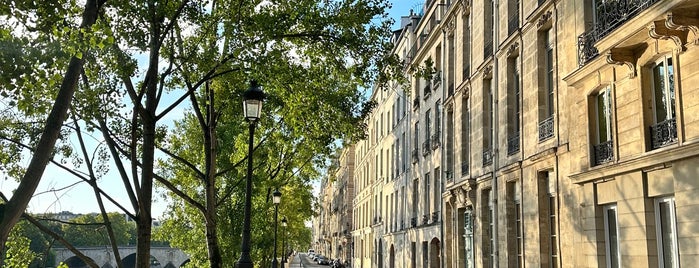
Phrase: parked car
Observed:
(337, 263)
(322, 260)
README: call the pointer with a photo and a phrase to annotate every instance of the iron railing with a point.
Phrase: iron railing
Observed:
(426, 90)
(425, 219)
(603, 152)
(435, 217)
(416, 102)
(426, 147)
(663, 133)
(435, 140)
(464, 168)
(436, 80)
(413, 222)
(609, 15)
(513, 143)
(546, 129)
(402, 224)
(487, 156)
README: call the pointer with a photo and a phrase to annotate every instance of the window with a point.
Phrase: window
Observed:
(513, 21)
(428, 123)
(488, 29)
(515, 241)
(466, 42)
(426, 203)
(513, 106)
(487, 122)
(416, 186)
(611, 233)
(602, 145)
(465, 138)
(436, 192)
(552, 208)
(546, 96)
(666, 226)
(664, 128)
(488, 242)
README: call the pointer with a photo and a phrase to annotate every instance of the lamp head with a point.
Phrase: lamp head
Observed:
(276, 196)
(252, 101)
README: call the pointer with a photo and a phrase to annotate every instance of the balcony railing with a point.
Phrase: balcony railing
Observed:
(663, 133)
(464, 168)
(435, 140)
(415, 155)
(426, 147)
(513, 143)
(603, 152)
(427, 90)
(416, 102)
(436, 80)
(488, 49)
(450, 176)
(435, 217)
(402, 224)
(413, 222)
(609, 15)
(425, 219)
(487, 156)
(546, 129)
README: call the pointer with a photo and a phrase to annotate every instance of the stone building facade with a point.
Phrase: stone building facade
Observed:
(542, 133)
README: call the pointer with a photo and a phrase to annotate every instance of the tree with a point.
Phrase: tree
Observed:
(89, 230)
(147, 57)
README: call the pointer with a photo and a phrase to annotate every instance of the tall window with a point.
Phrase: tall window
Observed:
(426, 195)
(436, 190)
(611, 232)
(451, 64)
(488, 29)
(465, 137)
(450, 145)
(488, 241)
(466, 43)
(417, 136)
(513, 21)
(416, 187)
(428, 123)
(666, 230)
(664, 128)
(487, 122)
(552, 223)
(546, 96)
(514, 223)
(603, 127)
(513, 106)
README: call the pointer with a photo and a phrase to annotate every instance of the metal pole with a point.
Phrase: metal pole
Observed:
(274, 258)
(284, 251)
(245, 261)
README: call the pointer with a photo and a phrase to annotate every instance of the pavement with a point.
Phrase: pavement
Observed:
(295, 261)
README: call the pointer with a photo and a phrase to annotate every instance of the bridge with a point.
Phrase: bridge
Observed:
(161, 257)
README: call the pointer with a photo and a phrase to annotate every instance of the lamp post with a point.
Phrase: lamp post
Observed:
(284, 251)
(252, 107)
(276, 198)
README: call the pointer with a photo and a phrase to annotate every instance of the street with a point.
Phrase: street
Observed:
(302, 260)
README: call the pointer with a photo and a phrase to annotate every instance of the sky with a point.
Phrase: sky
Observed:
(79, 198)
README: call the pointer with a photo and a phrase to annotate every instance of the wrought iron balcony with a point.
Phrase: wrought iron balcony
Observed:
(425, 219)
(609, 15)
(415, 155)
(603, 152)
(487, 156)
(402, 224)
(427, 90)
(546, 129)
(513, 143)
(464, 168)
(435, 140)
(663, 133)
(450, 175)
(435, 217)
(487, 49)
(413, 222)
(436, 80)
(426, 147)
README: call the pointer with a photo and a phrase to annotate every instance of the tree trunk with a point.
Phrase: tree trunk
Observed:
(210, 144)
(13, 209)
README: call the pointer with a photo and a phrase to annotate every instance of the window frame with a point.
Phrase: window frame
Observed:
(673, 227)
(607, 236)
(670, 91)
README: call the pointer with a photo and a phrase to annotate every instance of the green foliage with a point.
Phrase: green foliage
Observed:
(89, 230)
(18, 253)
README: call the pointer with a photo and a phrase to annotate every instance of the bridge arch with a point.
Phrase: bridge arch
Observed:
(130, 261)
(75, 262)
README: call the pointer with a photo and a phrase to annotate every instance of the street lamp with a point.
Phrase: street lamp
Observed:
(276, 198)
(284, 251)
(252, 107)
